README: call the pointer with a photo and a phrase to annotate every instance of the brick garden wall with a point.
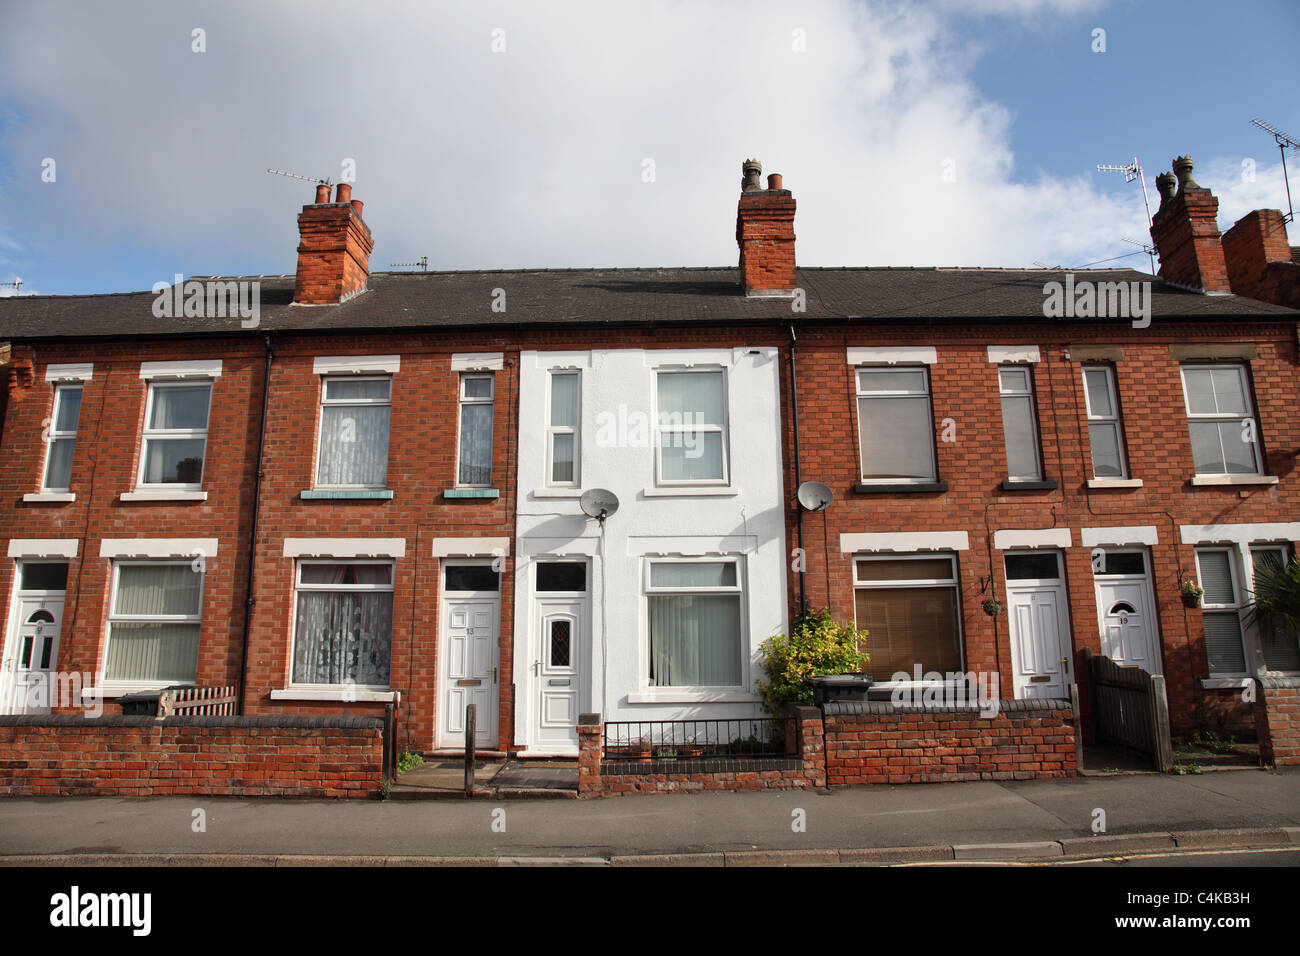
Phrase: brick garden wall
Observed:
(1277, 720)
(212, 756)
(877, 742)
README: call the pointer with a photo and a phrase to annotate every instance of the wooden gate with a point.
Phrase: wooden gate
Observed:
(1129, 708)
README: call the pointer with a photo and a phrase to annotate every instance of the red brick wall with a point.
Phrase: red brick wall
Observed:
(1277, 720)
(212, 756)
(880, 743)
(1259, 259)
(964, 388)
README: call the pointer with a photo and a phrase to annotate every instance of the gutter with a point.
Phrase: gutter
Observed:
(252, 534)
(798, 477)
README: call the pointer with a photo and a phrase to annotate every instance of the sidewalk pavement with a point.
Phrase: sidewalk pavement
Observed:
(1040, 820)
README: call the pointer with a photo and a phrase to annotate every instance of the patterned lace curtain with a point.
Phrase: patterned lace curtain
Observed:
(344, 636)
(353, 445)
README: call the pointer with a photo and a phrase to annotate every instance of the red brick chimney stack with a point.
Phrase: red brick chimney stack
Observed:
(765, 233)
(1186, 233)
(1259, 259)
(333, 249)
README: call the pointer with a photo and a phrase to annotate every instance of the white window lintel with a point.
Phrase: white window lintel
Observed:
(157, 547)
(1012, 354)
(470, 547)
(81, 372)
(1119, 537)
(43, 548)
(1239, 533)
(1031, 538)
(905, 542)
(478, 361)
(356, 364)
(892, 355)
(190, 368)
(345, 547)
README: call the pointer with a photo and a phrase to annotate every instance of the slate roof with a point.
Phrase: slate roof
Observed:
(548, 298)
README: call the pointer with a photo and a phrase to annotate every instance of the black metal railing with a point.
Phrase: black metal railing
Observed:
(740, 738)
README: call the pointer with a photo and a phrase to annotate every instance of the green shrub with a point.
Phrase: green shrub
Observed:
(408, 761)
(817, 644)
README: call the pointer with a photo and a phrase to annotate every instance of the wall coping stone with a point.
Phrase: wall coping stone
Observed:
(287, 722)
(880, 708)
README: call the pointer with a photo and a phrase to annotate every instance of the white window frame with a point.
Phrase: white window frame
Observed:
(1249, 415)
(1115, 420)
(1252, 633)
(120, 686)
(552, 430)
(1235, 572)
(662, 429)
(464, 400)
(55, 434)
(648, 591)
(859, 394)
(325, 401)
(953, 582)
(147, 433)
(298, 586)
(1034, 431)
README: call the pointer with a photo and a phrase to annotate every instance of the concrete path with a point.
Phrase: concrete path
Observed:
(1029, 820)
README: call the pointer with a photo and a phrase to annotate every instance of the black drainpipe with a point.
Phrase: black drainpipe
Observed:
(798, 479)
(252, 535)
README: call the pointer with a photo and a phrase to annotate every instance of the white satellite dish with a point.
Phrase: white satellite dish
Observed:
(814, 496)
(598, 503)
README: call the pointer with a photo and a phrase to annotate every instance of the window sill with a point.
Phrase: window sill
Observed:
(50, 497)
(684, 695)
(322, 494)
(472, 493)
(360, 695)
(1199, 480)
(1011, 484)
(1114, 482)
(903, 487)
(557, 493)
(1226, 683)
(164, 496)
(690, 491)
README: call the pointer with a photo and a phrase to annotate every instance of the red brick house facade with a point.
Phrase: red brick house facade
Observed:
(910, 385)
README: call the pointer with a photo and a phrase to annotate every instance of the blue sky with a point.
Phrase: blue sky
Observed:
(939, 133)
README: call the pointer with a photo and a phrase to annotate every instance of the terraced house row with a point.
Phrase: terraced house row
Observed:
(372, 492)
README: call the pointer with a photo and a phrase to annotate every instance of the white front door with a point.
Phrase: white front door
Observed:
(31, 656)
(1039, 622)
(1127, 624)
(468, 673)
(557, 674)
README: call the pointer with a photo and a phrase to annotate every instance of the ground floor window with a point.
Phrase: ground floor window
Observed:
(695, 623)
(154, 621)
(1279, 645)
(343, 627)
(910, 607)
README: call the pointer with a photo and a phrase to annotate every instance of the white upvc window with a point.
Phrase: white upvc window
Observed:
(1020, 423)
(343, 623)
(1105, 433)
(895, 424)
(695, 622)
(911, 606)
(1222, 601)
(691, 427)
(1220, 421)
(354, 426)
(1279, 648)
(563, 439)
(153, 622)
(474, 462)
(62, 438)
(175, 438)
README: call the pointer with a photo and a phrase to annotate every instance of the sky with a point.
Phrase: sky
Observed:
(601, 134)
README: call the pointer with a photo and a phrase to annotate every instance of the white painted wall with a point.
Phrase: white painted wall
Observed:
(745, 520)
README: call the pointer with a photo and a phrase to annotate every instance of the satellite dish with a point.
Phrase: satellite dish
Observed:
(814, 496)
(598, 503)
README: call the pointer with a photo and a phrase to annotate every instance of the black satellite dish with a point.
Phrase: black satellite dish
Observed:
(814, 496)
(598, 503)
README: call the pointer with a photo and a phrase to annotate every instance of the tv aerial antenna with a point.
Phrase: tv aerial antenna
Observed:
(1131, 172)
(421, 263)
(307, 179)
(16, 285)
(1283, 141)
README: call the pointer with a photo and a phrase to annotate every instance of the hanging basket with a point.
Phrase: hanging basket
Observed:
(993, 607)
(1191, 600)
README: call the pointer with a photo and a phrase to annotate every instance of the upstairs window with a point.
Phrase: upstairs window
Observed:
(63, 438)
(895, 425)
(692, 428)
(562, 430)
(1104, 431)
(354, 422)
(1019, 423)
(1220, 420)
(475, 462)
(175, 434)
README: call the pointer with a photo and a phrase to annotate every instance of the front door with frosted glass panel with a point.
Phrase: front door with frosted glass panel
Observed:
(1039, 625)
(34, 655)
(1125, 611)
(470, 637)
